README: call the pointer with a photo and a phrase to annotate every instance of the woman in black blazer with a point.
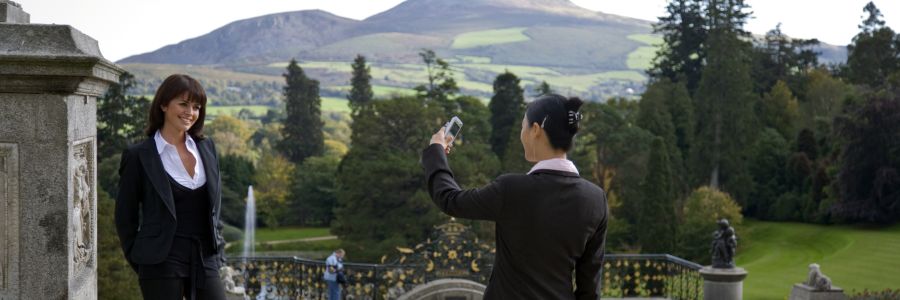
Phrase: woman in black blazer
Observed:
(551, 223)
(167, 209)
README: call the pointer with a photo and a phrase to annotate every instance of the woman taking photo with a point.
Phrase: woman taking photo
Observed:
(167, 209)
(551, 223)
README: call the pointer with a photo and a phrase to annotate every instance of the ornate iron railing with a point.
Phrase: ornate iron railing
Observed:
(651, 275)
(297, 278)
(453, 251)
(624, 276)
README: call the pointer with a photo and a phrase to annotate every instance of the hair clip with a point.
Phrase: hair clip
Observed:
(544, 121)
(574, 117)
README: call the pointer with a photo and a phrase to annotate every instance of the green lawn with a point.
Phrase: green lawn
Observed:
(489, 37)
(777, 255)
(289, 233)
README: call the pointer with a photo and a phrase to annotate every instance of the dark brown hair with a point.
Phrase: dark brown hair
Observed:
(174, 86)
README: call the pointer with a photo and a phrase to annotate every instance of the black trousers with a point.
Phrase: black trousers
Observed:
(180, 288)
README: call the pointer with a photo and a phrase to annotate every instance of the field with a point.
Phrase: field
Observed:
(489, 37)
(642, 57)
(259, 110)
(335, 104)
(777, 255)
(329, 104)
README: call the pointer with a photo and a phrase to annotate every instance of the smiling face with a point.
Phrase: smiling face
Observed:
(181, 113)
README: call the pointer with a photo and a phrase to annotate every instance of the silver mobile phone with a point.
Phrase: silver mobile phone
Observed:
(452, 128)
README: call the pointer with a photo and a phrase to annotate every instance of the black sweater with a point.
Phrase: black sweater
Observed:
(549, 224)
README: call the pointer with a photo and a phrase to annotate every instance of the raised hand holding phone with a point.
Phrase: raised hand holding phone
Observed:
(447, 134)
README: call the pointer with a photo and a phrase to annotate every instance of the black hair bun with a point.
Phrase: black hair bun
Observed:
(572, 105)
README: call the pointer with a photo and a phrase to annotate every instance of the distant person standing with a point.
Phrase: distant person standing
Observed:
(334, 264)
(551, 223)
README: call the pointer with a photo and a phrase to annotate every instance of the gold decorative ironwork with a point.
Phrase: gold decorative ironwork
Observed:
(454, 251)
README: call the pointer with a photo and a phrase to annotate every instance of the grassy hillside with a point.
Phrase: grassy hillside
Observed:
(150, 71)
(642, 57)
(489, 37)
(777, 255)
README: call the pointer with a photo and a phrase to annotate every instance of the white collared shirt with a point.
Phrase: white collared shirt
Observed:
(558, 164)
(172, 162)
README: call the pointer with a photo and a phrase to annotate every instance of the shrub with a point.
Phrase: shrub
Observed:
(231, 233)
(703, 207)
(887, 294)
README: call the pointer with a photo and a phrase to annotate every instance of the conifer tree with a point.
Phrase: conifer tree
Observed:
(724, 104)
(657, 208)
(684, 31)
(507, 109)
(303, 124)
(360, 85)
(120, 118)
(874, 53)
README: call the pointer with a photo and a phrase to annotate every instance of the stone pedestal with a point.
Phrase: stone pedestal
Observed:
(723, 284)
(50, 78)
(804, 292)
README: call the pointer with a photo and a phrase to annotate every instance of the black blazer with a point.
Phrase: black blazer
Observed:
(549, 224)
(145, 208)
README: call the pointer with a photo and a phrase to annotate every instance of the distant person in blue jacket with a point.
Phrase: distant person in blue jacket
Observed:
(334, 265)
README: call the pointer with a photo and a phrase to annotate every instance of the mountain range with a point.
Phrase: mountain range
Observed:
(576, 50)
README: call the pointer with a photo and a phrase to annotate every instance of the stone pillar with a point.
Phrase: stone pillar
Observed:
(723, 284)
(50, 78)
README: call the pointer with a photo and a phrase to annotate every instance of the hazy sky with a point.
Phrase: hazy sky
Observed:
(128, 27)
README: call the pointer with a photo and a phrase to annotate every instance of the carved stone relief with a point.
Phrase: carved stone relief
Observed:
(9, 218)
(82, 202)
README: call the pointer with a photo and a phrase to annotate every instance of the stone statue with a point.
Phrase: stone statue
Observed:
(817, 280)
(82, 209)
(723, 245)
(228, 278)
(817, 287)
(227, 273)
